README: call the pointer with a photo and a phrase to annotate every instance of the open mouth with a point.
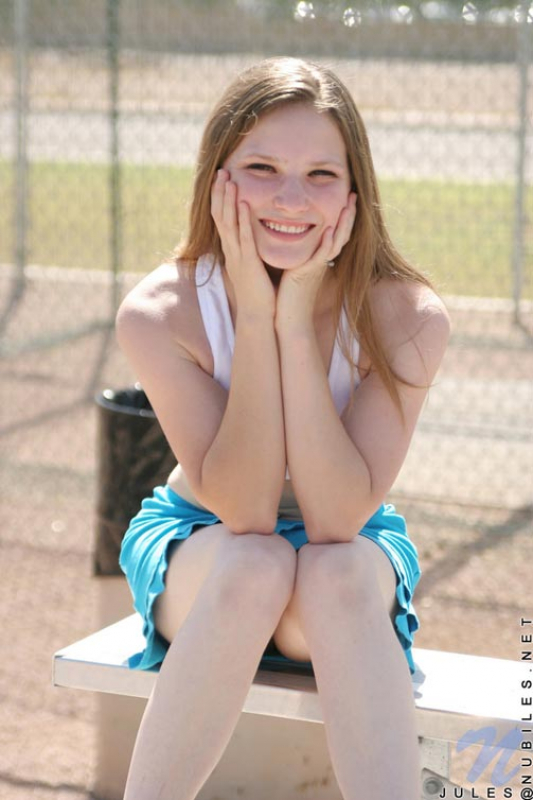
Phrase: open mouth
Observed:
(287, 229)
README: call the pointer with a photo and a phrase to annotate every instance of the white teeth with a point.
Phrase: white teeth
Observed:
(274, 226)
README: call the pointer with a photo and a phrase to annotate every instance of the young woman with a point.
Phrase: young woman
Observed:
(287, 353)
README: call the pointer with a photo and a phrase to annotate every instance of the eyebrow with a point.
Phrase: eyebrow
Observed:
(319, 163)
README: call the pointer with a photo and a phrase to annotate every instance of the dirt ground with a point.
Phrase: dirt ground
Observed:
(475, 558)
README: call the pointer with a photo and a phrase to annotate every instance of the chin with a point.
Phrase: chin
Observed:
(285, 257)
(283, 262)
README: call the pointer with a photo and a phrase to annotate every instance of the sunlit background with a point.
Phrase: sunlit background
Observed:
(102, 104)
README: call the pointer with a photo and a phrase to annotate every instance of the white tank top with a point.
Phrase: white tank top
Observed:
(214, 307)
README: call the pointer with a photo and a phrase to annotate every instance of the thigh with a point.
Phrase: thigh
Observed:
(373, 556)
(289, 637)
(189, 563)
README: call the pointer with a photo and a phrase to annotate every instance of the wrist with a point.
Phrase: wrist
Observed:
(254, 320)
(294, 317)
(253, 310)
(295, 327)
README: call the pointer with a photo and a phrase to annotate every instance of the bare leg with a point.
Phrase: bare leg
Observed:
(344, 595)
(212, 661)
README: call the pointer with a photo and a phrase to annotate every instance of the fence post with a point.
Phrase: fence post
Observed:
(523, 61)
(115, 174)
(21, 133)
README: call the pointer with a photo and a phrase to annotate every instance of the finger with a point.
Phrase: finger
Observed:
(342, 231)
(347, 218)
(229, 208)
(245, 227)
(345, 225)
(217, 195)
(223, 211)
(323, 252)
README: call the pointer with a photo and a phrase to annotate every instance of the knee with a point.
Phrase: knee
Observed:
(256, 569)
(336, 575)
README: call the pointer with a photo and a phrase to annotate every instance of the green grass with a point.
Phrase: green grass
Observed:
(69, 212)
(459, 234)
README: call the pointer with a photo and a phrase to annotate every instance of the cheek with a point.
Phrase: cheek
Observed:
(247, 189)
(333, 207)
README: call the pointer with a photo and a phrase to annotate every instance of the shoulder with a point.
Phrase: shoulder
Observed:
(413, 325)
(163, 306)
(157, 294)
(402, 307)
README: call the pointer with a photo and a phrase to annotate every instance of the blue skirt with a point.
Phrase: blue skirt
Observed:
(166, 516)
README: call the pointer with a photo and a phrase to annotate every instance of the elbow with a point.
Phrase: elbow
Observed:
(341, 520)
(241, 520)
(235, 514)
(329, 532)
(238, 519)
(240, 524)
(241, 511)
(241, 517)
(331, 536)
(335, 530)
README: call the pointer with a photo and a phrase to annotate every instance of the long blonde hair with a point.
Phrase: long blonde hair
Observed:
(369, 255)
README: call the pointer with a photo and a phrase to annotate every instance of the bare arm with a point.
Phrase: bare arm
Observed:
(242, 473)
(230, 445)
(343, 468)
(245, 465)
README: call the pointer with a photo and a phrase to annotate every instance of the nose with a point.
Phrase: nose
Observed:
(291, 195)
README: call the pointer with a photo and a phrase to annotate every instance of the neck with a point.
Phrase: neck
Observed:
(275, 274)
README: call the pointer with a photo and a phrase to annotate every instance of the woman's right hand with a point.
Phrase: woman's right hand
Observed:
(253, 288)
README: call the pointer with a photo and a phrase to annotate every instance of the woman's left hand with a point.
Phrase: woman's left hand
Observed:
(299, 286)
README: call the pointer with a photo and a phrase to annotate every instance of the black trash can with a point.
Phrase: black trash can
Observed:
(133, 458)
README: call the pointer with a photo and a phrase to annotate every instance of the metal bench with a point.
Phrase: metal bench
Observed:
(454, 694)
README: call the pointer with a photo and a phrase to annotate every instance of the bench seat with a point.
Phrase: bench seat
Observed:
(454, 693)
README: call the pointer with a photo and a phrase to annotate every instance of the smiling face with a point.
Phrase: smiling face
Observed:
(292, 171)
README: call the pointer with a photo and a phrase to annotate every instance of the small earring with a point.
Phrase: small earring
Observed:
(330, 264)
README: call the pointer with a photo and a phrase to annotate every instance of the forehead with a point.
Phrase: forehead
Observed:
(295, 130)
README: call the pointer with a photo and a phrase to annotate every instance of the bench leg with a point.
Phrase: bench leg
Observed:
(118, 718)
(435, 760)
(435, 756)
(435, 786)
(118, 721)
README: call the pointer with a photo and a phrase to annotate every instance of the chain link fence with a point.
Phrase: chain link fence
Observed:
(101, 109)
